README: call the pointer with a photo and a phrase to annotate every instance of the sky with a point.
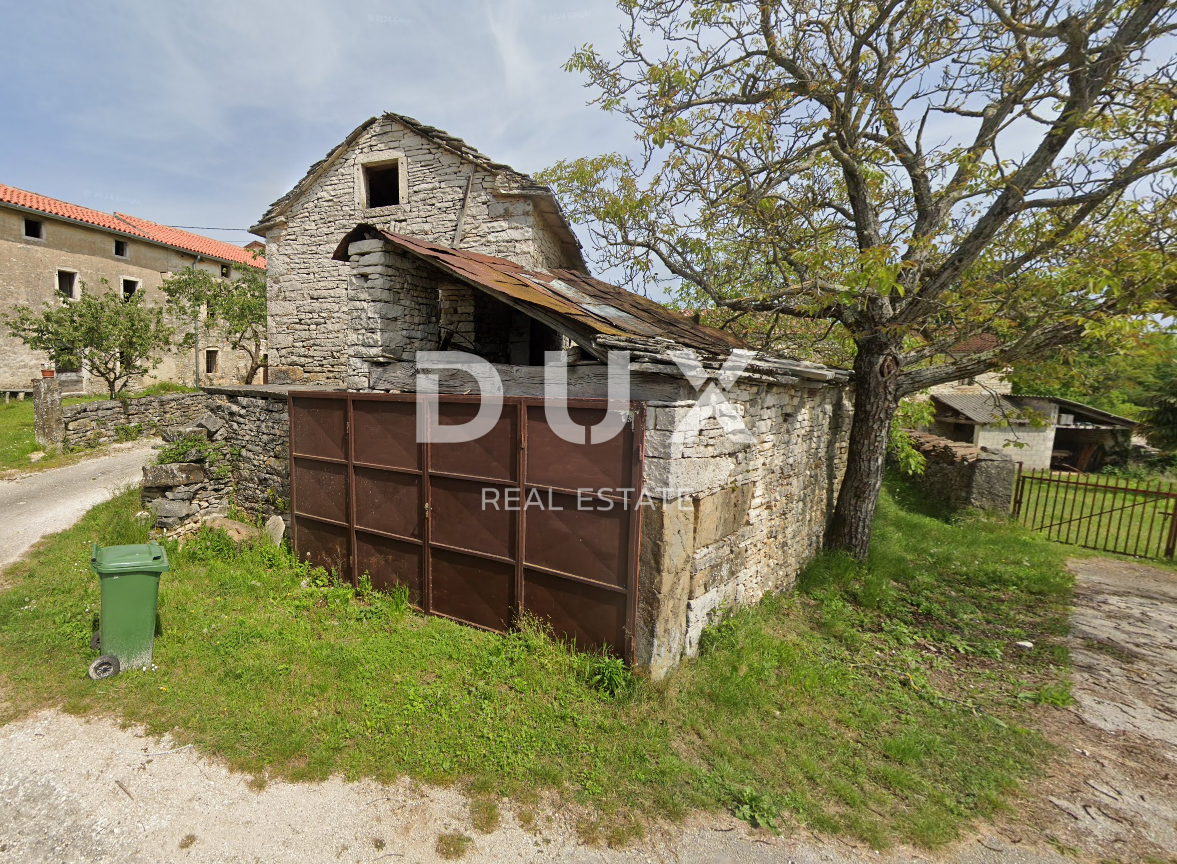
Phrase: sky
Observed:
(203, 113)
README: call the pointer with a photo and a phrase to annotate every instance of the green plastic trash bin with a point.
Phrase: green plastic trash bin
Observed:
(129, 578)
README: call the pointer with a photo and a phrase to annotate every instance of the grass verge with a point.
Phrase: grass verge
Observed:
(884, 702)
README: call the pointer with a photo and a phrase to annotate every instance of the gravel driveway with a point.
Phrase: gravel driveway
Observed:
(44, 502)
(78, 791)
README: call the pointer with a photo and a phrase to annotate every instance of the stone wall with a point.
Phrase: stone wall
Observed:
(308, 291)
(733, 521)
(92, 424)
(251, 428)
(959, 475)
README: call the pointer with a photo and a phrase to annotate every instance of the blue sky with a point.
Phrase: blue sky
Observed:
(203, 113)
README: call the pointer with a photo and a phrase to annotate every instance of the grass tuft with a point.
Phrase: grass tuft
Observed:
(452, 845)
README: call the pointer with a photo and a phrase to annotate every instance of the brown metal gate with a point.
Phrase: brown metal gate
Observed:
(367, 498)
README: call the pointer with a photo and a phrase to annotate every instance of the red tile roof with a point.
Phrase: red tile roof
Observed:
(53, 207)
(205, 246)
(131, 225)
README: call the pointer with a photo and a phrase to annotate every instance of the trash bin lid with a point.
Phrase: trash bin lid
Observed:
(136, 558)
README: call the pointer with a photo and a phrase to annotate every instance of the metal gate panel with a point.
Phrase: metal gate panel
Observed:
(368, 499)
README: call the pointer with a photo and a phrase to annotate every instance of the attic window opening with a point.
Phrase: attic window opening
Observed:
(224, 271)
(130, 286)
(383, 184)
(35, 229)
(120, 248)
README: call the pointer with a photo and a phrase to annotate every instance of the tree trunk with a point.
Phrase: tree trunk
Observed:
(876, 398)
(253, 367)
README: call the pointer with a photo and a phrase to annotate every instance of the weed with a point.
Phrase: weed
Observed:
(610, 675)
(128, 432)
(1057, 695)
(755, 808)
(188, 840)
(825, 705)
(452, 845)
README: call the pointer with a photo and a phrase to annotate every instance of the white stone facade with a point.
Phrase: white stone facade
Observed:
(502, 213)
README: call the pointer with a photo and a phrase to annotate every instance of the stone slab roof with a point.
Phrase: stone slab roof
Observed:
(982, 407)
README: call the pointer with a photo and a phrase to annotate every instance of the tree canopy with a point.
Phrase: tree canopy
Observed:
(235, 309)
(900, 174)
(112, 337)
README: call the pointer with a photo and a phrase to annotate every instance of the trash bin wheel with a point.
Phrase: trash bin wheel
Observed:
(96, 640)
(106, 666)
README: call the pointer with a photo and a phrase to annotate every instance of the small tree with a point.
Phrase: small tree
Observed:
(236, 310)
(112, 338)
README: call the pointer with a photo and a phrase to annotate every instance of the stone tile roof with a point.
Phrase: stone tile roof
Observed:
(511, 182)
(121, 223)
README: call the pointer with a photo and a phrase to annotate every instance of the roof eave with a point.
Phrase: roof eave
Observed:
(129, 235)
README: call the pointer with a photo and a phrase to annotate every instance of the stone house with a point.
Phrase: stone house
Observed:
(49, 249)
(397, 174)
(1040, 432)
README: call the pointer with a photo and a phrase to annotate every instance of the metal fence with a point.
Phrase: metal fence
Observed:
(1109, 514)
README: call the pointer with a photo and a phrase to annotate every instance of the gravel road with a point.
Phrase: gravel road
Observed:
(73, 790)
(45, 502)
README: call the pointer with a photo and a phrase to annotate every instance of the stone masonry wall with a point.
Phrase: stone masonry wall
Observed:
(959, 475)
(308, 291)
(733, 521)
(393, 303)
(92, 424)
(253, 429)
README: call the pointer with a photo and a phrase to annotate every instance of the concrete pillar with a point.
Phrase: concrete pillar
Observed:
(48, 422)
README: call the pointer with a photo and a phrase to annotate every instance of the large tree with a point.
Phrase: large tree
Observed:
(910, 172)
(113, 337)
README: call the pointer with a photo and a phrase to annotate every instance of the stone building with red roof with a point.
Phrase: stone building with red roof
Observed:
(51, 249)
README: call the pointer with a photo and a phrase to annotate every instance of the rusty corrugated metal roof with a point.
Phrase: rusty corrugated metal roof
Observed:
(586, 306)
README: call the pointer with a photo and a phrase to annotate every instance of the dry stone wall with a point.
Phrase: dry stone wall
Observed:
(733, 521)
(958, 476)
(308, 291)
(93, 424)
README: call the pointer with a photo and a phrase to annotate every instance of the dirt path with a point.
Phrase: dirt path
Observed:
(1115, 793)
(43, 502)
(78, 791)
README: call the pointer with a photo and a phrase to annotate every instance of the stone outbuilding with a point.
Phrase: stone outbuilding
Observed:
(728, 516)
(397, 174)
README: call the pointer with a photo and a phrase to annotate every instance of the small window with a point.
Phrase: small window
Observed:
(384, 184)
(67, 280)
(212, 361)
(120, 248)
(224, 271)
(130, 286)
(35, 229)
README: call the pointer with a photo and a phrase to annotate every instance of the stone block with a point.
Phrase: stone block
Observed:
(165, 508)
(363, 247)
(275, 528)
(172, 474)
(211, 422)
(721, 514)
(664, 589)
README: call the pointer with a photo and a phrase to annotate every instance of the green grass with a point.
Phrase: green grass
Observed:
(16, 434)
(872, 705)
(1115, 519)
(16, 424)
